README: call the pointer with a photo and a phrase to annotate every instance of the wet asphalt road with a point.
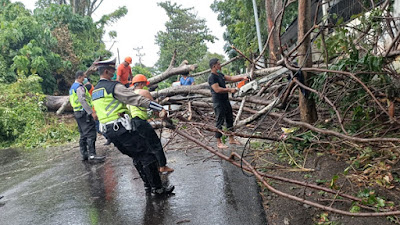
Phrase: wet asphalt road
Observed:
(53, 186)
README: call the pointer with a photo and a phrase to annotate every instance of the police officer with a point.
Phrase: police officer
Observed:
(146, 131)
(81, 103)
(109, 100)
(89, 86)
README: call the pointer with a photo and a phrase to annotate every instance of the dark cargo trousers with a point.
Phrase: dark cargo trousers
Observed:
(223, 113)
(130, 143)
(87, 131)
(148, 134)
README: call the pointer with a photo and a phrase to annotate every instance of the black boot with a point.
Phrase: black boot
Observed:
(139, 168)
(83, 149)
(92, 151)
(164, 190)
(108, 142)
(153, 176)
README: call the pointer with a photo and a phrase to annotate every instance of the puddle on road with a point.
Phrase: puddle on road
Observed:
(8, 155)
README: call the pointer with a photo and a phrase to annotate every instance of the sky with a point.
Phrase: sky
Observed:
(144, 19)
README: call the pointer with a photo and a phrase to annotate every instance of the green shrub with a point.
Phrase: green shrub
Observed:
(23, 118)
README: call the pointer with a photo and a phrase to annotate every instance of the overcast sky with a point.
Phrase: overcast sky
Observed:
(144, 19)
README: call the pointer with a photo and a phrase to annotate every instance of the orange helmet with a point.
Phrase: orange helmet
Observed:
(140, 78)
(128, 60)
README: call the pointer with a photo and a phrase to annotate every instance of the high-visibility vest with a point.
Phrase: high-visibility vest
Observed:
(107, 107)
(137, 111)
(73, 97)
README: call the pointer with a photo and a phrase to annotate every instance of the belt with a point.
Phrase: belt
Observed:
(122, 121)
(137, 118)
(115, 125)
(112, 122)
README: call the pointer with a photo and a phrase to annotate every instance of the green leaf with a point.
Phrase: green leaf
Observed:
(355, 209)
(380, 202)
(333, 180)
(318, 181)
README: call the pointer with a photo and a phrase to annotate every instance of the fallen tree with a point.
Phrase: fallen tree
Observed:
(61, 103)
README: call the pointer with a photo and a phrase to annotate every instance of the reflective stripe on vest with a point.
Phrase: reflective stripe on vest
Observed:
(106, 106)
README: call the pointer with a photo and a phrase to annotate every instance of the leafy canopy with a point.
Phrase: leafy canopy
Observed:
(138, 69)
(203, 65)
(184, 32)
(238, 17)
(52, 42)
(80, 7)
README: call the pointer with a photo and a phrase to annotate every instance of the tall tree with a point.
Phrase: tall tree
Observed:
(81, 7)
(87, 8)
(204, 65)
(272, 7)
(52, 42)
(308, 112)
(274, 13)
(184, 33)
(238, 17)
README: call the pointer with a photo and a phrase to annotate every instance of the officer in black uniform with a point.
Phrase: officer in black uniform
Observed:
(81, 103)
(109, 100)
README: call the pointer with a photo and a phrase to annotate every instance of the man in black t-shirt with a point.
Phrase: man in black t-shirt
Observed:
(222, 106)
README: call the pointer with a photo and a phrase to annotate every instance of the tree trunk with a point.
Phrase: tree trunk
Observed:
(172, 71)
(53, 103)
(308, 112)
(272, 7)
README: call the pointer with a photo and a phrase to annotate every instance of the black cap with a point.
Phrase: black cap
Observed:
(109, 63)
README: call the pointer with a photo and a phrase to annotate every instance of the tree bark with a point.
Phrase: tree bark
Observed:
(272, 7)
(54, 103)
(183, 68)
(191, 89)
(308, 112)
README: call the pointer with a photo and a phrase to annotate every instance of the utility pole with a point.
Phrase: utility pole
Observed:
(112, 45)
(119, 61)
(140, 55)
(260, 45)
(308, 112)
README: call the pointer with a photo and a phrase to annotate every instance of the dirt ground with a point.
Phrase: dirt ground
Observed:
(280, 210)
